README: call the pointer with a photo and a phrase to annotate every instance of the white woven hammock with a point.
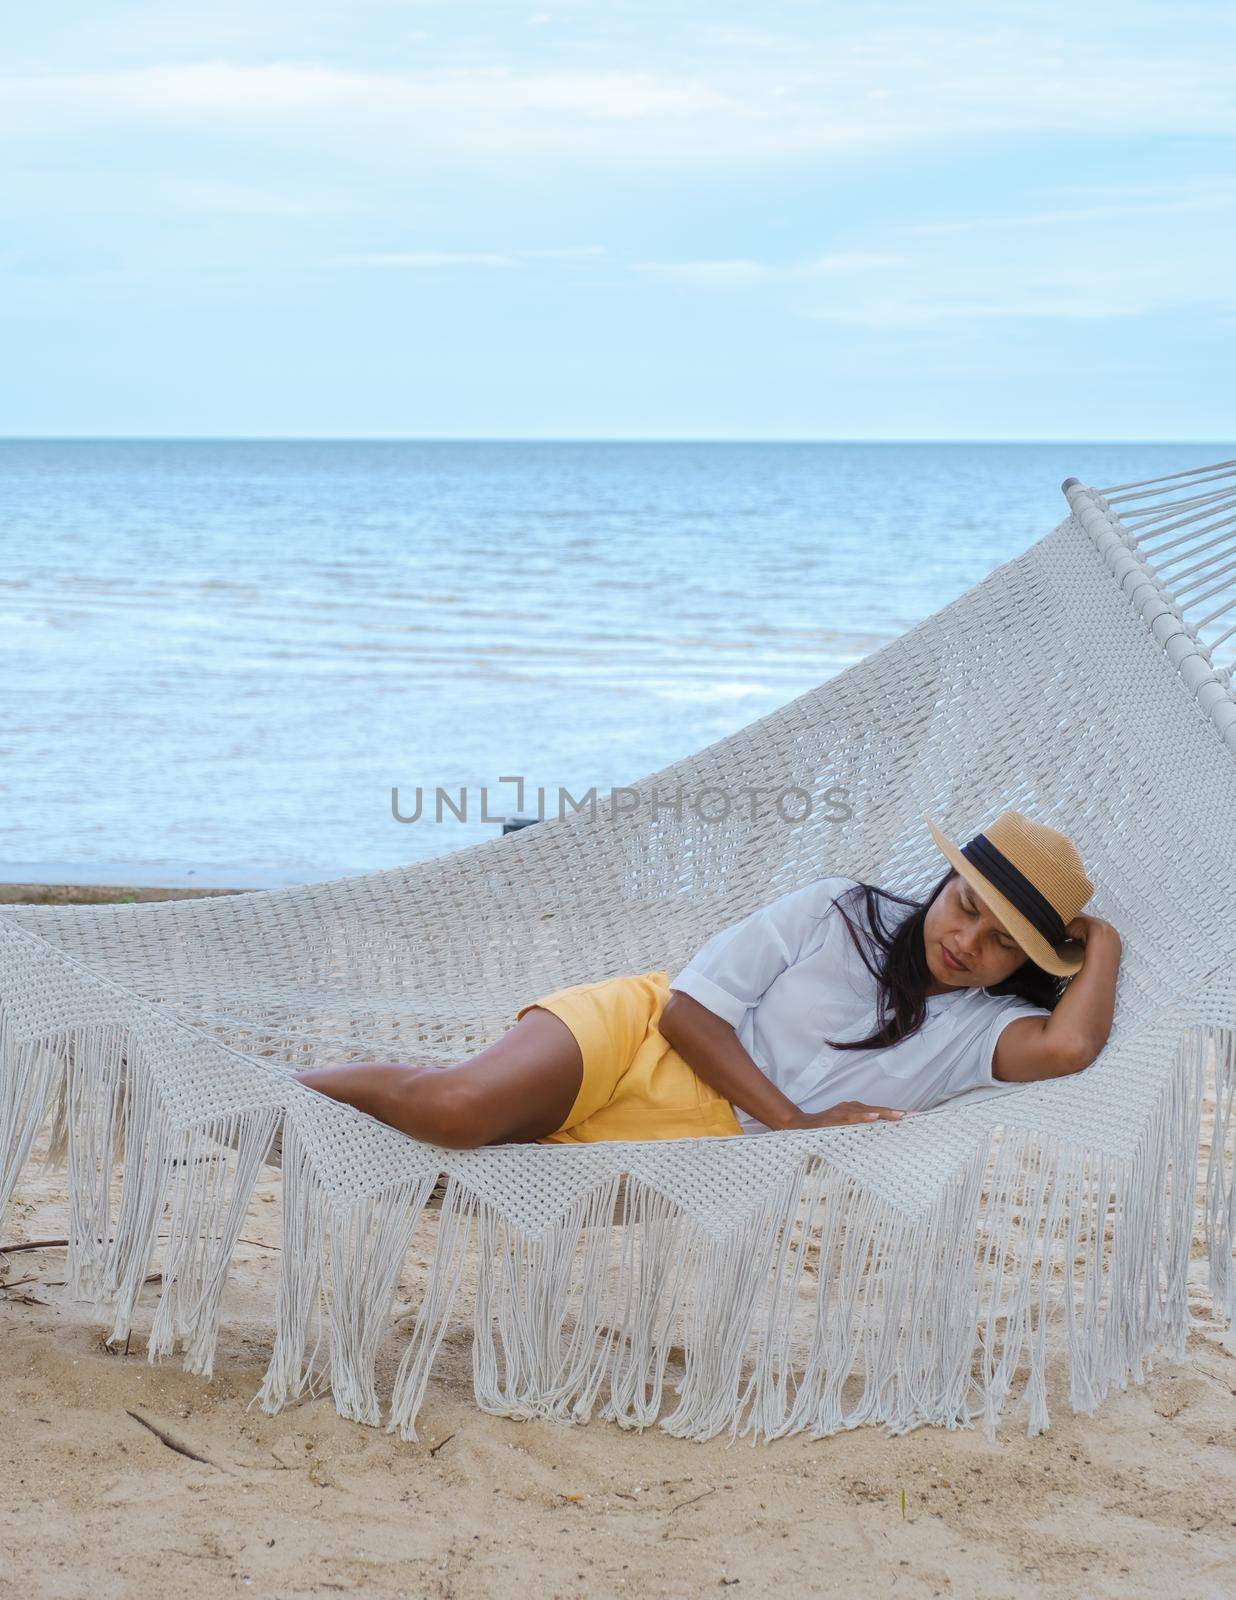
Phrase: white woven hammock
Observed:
(908, 1273)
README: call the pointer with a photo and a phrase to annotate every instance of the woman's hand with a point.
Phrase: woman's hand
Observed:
(1078, 1028)
(847, 1111)
(1086, 931)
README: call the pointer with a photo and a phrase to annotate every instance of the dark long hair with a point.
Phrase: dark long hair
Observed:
(897, 959)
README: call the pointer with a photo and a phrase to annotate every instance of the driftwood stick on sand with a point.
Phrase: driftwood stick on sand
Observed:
(173, 1443)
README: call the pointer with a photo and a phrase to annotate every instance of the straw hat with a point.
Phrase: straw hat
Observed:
(1032, 878)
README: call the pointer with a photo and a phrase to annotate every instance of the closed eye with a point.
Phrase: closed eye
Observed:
(1002, 939)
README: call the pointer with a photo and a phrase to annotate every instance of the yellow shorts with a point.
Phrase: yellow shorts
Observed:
(635, 1084)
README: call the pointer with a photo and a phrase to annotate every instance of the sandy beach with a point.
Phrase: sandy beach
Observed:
(507, 503)
(101, 1499)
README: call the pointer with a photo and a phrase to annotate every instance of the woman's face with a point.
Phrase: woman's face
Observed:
(959, 923)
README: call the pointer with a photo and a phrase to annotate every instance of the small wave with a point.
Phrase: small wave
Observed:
(704, 693)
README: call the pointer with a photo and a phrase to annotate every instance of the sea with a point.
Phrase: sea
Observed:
(233, 663)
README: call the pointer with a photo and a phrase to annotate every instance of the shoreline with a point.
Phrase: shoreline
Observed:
(146, 880)
(92, 894)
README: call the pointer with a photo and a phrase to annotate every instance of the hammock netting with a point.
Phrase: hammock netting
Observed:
(921, 1272)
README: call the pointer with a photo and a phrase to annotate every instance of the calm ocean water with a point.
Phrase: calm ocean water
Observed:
(220, 657)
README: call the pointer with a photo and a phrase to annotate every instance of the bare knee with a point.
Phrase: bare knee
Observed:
(431, 1103)
(442, 1108)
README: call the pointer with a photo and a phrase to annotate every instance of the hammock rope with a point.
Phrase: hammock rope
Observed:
(927, 1272)
(1164, 512)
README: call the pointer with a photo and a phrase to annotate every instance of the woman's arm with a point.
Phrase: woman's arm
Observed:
(711, 1048)
(1031, 1048)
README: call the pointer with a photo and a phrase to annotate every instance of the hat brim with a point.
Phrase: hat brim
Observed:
(1062, 960)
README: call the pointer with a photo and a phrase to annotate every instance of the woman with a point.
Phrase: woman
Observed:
(836, 1003)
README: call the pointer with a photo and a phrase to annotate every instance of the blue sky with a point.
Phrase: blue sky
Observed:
(619, 221)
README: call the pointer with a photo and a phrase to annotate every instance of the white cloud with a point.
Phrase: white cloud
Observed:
(911, 310)
(426, 258)
(1087, 262)
(907, 85)
(1119, 201)
(493, 108)
(1091, 283)
(464, 258)
(738, 273)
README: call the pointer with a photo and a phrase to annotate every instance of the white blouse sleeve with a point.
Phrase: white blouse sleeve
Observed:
(974, 1070)
(732, 970)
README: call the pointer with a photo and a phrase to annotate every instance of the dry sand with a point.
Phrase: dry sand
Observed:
(1138, 1500)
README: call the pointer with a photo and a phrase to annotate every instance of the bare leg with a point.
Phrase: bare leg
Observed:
(518, 1088)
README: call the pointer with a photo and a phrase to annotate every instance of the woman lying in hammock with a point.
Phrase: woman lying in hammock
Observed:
(837, 1003)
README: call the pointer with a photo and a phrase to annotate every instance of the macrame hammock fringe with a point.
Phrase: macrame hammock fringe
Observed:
(926, 1272)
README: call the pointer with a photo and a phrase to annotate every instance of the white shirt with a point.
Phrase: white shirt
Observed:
(788, 976)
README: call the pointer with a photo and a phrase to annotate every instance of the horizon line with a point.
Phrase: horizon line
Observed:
(307, 438)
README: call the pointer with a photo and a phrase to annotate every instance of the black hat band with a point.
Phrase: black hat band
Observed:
(1015, 887)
